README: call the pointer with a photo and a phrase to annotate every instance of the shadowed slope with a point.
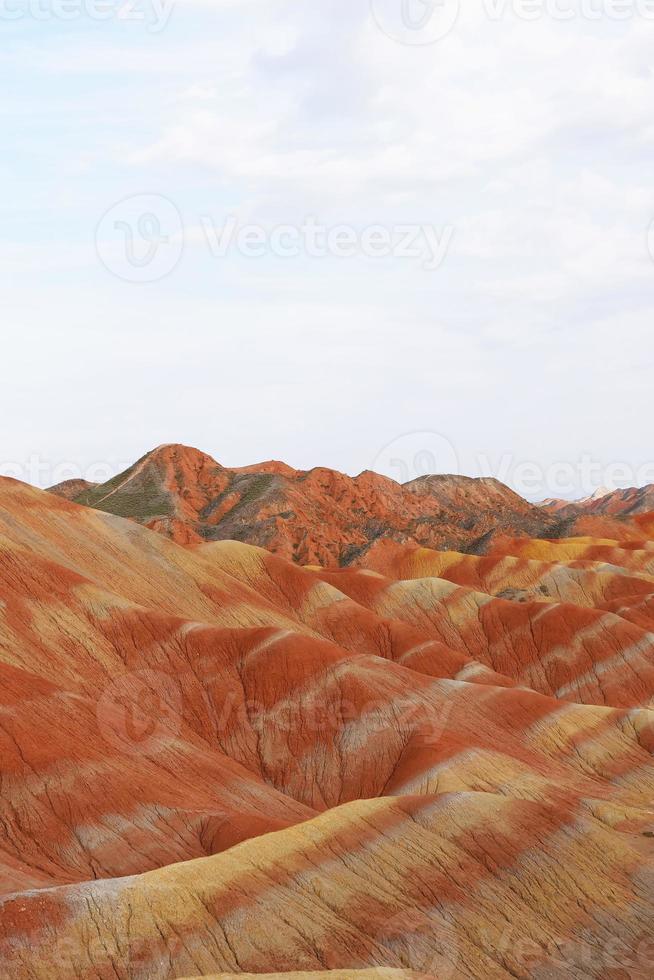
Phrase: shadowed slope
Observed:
(93, 787)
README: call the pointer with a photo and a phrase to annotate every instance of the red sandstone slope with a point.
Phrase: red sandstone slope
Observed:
(447, 884)
(162, 703)
(577, 654)
(580, 581)
(92, 790)
(617, 514)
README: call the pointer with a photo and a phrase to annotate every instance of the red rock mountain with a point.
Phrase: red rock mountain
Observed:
(217, 763)
(616, 503)
(315, 516)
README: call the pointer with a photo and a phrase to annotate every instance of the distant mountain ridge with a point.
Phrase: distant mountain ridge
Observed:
(321, 516)
(621, 502)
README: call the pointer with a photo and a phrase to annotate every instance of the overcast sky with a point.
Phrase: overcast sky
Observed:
(510, 157)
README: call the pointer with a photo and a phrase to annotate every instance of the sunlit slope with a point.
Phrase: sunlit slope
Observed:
(636, 557)
(70, 572)
(270, 695)
(452, 885)
(592, 656)
(582, 582)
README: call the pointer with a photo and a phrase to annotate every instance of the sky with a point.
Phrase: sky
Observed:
(400, 235)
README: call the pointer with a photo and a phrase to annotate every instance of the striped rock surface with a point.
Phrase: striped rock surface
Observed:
(215, 762)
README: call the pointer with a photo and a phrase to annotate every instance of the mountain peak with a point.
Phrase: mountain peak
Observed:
(174, 452)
